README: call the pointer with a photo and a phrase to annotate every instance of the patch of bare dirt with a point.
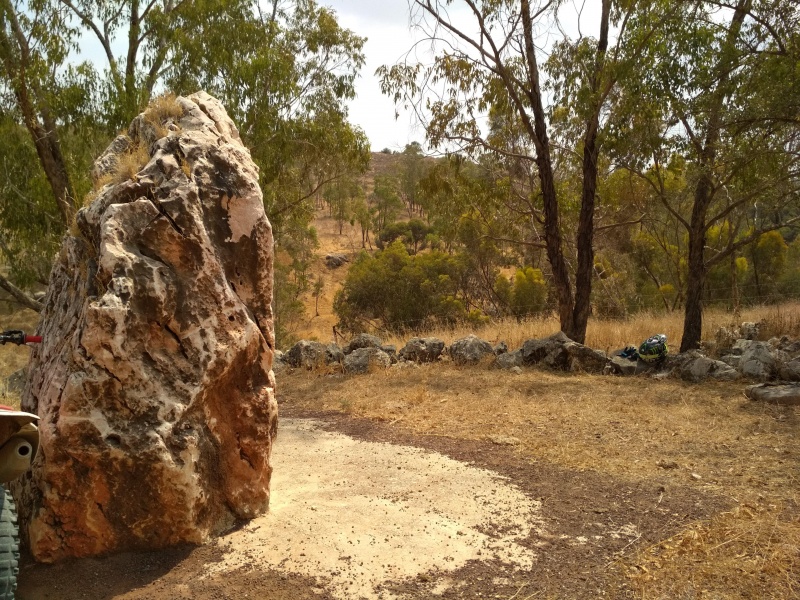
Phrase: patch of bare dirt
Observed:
(579, 525)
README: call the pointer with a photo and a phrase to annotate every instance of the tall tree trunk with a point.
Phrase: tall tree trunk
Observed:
(552, 224)
(696, 279)
(585, 236)
(704, 192)
(36, 114)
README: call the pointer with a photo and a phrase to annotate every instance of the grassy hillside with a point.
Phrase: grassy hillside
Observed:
(605, 334)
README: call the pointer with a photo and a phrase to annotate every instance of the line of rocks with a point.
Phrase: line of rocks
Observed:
(777, 359)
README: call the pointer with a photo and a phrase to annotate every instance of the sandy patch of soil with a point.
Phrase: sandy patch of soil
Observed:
(365, 515)
(364, 510)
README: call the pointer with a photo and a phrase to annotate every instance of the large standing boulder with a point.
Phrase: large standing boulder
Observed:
(153, 381)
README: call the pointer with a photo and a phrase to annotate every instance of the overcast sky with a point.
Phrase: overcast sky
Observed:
(386, 25)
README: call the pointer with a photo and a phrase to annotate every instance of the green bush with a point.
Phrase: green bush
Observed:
(529, 294)
(400, 291)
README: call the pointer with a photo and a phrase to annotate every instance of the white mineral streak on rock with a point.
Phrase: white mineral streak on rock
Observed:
(359, 515)
(153, 381)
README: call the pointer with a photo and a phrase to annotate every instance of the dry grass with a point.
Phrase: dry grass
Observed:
(749, 552)
(604, 334)
(611, 334)
(721, 443)
(130, 163)
(163, 110)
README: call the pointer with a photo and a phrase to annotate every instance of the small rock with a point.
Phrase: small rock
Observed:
(504, 440)
(362, 360)
(501, 348)
(334, 261)
(665, 464)
(470, 350)
(422, 350)
(509, 360)
(363, 340)
(696, 477)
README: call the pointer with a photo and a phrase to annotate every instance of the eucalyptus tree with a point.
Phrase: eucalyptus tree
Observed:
(493, 61)
(721, 91)
(283, 69)
(35, 40)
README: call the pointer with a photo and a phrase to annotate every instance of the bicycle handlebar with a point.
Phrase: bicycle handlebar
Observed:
(18, 337)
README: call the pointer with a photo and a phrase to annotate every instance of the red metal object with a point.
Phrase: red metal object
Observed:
(33, 339)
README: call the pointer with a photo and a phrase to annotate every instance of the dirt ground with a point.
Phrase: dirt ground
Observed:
(570, 529)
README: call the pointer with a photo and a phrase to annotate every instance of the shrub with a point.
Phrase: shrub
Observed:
(401, 291)
(529, 294)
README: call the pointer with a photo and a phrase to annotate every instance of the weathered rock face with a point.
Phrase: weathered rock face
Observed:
(154, 382)
(361, 360)
(699, 368)
(549, 350)
(470, 350)
(758, 362)
(311, 355)
(560, 353)
(362, 340)
(508, 360)
(422, 350)
(583, 358)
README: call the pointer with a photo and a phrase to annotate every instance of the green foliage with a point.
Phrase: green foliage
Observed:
(284, 76)
(386, 201)
(30, 226)
(529, 293)
(767, 258)
(414, 234)
(400, 291)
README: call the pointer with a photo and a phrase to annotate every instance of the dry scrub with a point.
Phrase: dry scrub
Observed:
(612, 334)
(604, 334)
(665, 432)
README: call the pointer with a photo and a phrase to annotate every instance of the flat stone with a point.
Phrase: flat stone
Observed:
(785, 394)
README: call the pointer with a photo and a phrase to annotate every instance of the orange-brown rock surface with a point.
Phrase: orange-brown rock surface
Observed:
(153, 381)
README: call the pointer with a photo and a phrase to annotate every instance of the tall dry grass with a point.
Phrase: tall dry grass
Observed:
(611, 334)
